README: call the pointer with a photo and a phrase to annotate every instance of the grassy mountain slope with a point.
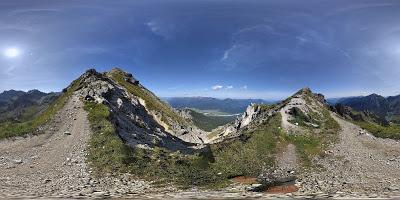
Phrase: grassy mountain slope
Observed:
(21, 106)
(370, 121)
(373, 103)
(32, 126)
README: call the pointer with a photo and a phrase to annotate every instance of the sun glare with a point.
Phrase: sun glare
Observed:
(11, 52)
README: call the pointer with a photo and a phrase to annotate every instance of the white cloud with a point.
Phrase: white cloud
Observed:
(227, 52)
(229, 87)
(153, 27)
(244, 87)
(162, 28)
(217, 87)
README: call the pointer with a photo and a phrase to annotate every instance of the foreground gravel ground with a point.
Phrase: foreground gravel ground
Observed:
(53, 163)
(358, 163)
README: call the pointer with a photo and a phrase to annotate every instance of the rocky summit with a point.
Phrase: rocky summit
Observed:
(107, 135)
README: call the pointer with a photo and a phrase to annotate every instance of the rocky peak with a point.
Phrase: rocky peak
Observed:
(305, 90)
(249, 115)
(128, 77)
(321, 98)
(95, 86)
(91, 73)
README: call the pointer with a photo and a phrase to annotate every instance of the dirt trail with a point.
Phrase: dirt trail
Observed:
(357, 163)
(51, 163)
(288, 158)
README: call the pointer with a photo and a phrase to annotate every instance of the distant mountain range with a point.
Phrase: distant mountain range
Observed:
(384, 107)
(18, 105)
(228, 105)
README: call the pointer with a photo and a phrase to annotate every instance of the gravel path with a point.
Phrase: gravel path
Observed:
(358, 163)
(49, 163)
(288, 158)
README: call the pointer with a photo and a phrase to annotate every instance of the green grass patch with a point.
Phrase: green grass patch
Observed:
(315, 141)
(307, 147)
(107, 152)
(299, 117)
(329, 126)
(391, 131)
(266, 107)
(12, 129)
(250, 155)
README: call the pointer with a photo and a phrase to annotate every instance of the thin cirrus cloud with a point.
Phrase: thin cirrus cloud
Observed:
(217, 87)
(227, 87)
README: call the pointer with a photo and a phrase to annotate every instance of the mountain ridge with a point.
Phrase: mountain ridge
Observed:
(134, 133)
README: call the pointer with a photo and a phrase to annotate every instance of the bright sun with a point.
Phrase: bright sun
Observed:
(11, 52)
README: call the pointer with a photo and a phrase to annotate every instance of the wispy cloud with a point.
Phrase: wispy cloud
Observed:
(227, 52)
(244, 87)
(229, 87)
(362, 6)
(263, 28)
(163, 29)
(217, 87)
(34, 11)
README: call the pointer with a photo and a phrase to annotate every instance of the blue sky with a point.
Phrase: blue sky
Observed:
(239, 49)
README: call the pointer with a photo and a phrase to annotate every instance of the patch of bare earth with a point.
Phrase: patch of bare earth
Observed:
(247, 180)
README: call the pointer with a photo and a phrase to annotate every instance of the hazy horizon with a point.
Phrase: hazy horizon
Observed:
(222, 49)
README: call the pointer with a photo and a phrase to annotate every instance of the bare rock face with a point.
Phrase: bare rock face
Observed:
(251, 116)
(96, 86)
(134, 123)
(321, 98)
(251, 113)
(185, 113)
(137, 125)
